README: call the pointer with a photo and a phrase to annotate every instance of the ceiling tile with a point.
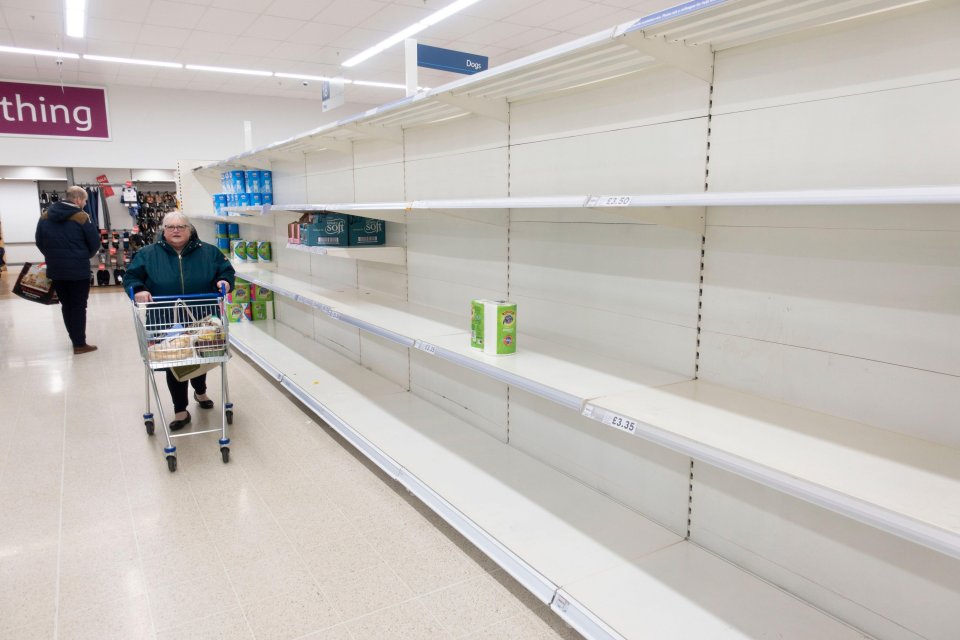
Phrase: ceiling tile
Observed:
(110, 48)
(523, 39)
(351, 12)
(108, 29)
(35, 21)
(6, 37)
(129, 10)
(273, 27)
(296, 51)
(34, 40)
(174, 14)
(155, 52)
(362, 38)
(454, 28)
(298, 9)
(253, 46)
(593, 26)
(494, 32)
(224, 21)
(498, 9)
(317, 33)
(165, 36)
(537, 14)
(394, 17)
(49, 6)
(96, 77)
(592, 13)
(250, 6)
(207, 41)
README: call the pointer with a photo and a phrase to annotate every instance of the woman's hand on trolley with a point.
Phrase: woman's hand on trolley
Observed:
(223, 287)
(143, 296)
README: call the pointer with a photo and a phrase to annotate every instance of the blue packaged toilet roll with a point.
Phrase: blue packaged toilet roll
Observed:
(266, 181)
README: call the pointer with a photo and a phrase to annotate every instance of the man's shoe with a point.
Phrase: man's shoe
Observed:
(204, 404)
(87, 348)
(176, 425)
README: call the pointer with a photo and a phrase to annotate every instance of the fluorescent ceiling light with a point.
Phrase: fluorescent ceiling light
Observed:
(149, 63)
(245, 72)
(303, 76)
(39, 52)
(76, 14)
(413, 29)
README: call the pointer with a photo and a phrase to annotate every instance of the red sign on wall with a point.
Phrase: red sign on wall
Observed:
(28, 109)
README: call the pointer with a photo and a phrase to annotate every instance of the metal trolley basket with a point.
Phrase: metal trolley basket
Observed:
(189, 333)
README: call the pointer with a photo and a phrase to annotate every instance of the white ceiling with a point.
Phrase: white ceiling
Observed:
(292, 36)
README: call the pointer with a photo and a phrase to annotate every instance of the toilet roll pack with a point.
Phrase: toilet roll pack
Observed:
(493, 327)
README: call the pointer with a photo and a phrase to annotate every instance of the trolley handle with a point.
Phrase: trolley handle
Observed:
(186, 296)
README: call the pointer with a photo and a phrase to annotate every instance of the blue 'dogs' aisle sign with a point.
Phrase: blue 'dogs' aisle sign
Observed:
(673, 12)
(450, 60)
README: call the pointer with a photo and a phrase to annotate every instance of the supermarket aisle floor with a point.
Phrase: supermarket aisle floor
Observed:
(294, 538)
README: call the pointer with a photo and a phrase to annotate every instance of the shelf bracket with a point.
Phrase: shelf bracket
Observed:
(493, 109)
(390, 134)
(695, 61)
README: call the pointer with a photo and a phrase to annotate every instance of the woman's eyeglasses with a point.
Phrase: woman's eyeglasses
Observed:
(175, 227)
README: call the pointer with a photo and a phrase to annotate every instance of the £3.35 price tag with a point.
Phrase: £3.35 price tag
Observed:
(426, 346)
(619, 422)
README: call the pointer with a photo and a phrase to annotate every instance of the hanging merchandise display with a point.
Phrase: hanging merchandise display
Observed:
(493, 327)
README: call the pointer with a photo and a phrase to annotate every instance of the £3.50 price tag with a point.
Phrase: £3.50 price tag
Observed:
(333, 314)
(619, 422)
(426, 346)
(609, 201)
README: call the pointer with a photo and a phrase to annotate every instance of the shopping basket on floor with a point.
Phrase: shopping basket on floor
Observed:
(187, 334)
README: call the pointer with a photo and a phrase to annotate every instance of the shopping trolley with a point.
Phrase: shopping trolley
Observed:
(186, 333)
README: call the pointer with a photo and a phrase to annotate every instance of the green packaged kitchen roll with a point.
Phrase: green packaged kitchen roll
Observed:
(496, 328)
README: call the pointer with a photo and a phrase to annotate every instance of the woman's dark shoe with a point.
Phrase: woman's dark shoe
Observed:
(176, 425)
(204, 404)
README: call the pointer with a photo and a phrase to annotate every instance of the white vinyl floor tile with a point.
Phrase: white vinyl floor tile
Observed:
(297, 538)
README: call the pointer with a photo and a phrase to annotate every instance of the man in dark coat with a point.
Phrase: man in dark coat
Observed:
(68, 239)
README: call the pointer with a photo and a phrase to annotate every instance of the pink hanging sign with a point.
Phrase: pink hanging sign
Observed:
(49, 110)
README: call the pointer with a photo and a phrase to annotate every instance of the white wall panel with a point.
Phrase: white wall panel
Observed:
(326, 271)
(373, 153)
(646, 478)
(660, 345)
(647, 271)
(476, 399)
(655, 159)
(385, 358)
(329, 177)
(877, 217)
(884, 585)
(452, 297)
(294, 315)
(465, 135)
(339, 336)
(291, 261)
(289, 181)
(652, 97)
(890, 51)
(891, 296)
(481, 174)
(453, 250)
(385, 278)
(910, 401)
(902, 137)
(379, 183)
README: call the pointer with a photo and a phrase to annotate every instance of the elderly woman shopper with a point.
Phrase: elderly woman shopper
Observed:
(179, 263)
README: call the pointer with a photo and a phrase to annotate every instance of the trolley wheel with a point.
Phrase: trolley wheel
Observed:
(149, 425)
(225, 454)
(229, 416)
(172, 463)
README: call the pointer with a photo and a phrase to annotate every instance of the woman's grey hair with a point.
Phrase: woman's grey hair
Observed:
(176, 216)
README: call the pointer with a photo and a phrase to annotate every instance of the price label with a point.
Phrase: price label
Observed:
(333, 314)
(609, 201)
(425, 346)
(620, 422)
(320, 251)
(588, 411)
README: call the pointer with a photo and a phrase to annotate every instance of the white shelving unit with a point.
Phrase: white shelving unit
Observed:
(891, 482)
(755, 438)
(572, 547)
